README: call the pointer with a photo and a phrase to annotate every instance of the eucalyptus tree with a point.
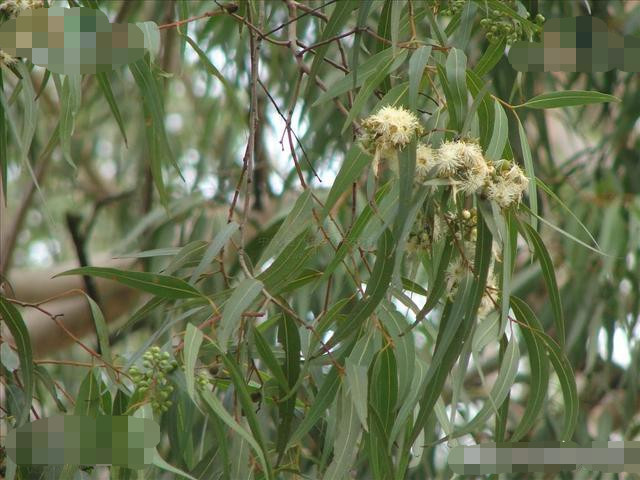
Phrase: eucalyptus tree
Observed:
(317, 239)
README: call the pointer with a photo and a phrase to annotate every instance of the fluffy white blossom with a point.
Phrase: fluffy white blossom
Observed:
(391, 128)
(450, 156)
(508, 187)
(425, 161)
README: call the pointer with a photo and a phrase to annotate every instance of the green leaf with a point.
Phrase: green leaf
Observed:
(103, 333)
(321, 402)
(204, 58)
(49, 384)
(159, 462)
(220, 412)
(486, 332)
(30, 114)
(528, 167)
(357, 367)
(240, 386)
(404, 347)
(365, 93)
(151, 34)
(460, 38)
(9, 358)
(339, 17)
(354, 163)
(377, 287)
(561, 365)
(105, 86)
(187, 254)
(499, 134)
(219, 241)
(539, 380)
(294, 224)
(192, 341)
(455, 67)
(89, 400)
(346, 443)
(567, 98)
(353, 234)
(477, 102)
(289, 338)
(499, 392)
(417, 63)
(153, 106)
(383, 388)
(491, 57)
(160, 285)
(365, 70)
(70, 99)
(242, 297)
(548, 274)
(271, 362)
(20, 334)
(485, 109)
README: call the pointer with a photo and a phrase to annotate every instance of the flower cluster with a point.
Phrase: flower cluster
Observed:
(463, 164)
(387, 131)
(152, 382)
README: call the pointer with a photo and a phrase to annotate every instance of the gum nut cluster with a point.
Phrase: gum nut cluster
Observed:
(463, 163)
(390, 129)
(152, 381)
(499, 24)
(453, 7)
(202, 380)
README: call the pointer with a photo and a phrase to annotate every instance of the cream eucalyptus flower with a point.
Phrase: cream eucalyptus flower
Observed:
(392, 128)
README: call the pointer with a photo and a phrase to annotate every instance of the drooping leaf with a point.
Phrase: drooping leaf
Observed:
(539, 382)
(499, 134)
(418, 61)
(456, 66)
(561, 365)
(297, 221)
(18, 329)
(346, 443)
(243, 296)
(528, 167)
(192, 341)
(105, 86)
(491, 57)
(70, 99)
(548, 274)
(338, 18)
(289, 338)
(365, 70)
(499, 392)
(354, 163)
(567, 98)
(364, 95)
(160, 285)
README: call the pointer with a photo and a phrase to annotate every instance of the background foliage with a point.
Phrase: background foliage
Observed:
(272, 265)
